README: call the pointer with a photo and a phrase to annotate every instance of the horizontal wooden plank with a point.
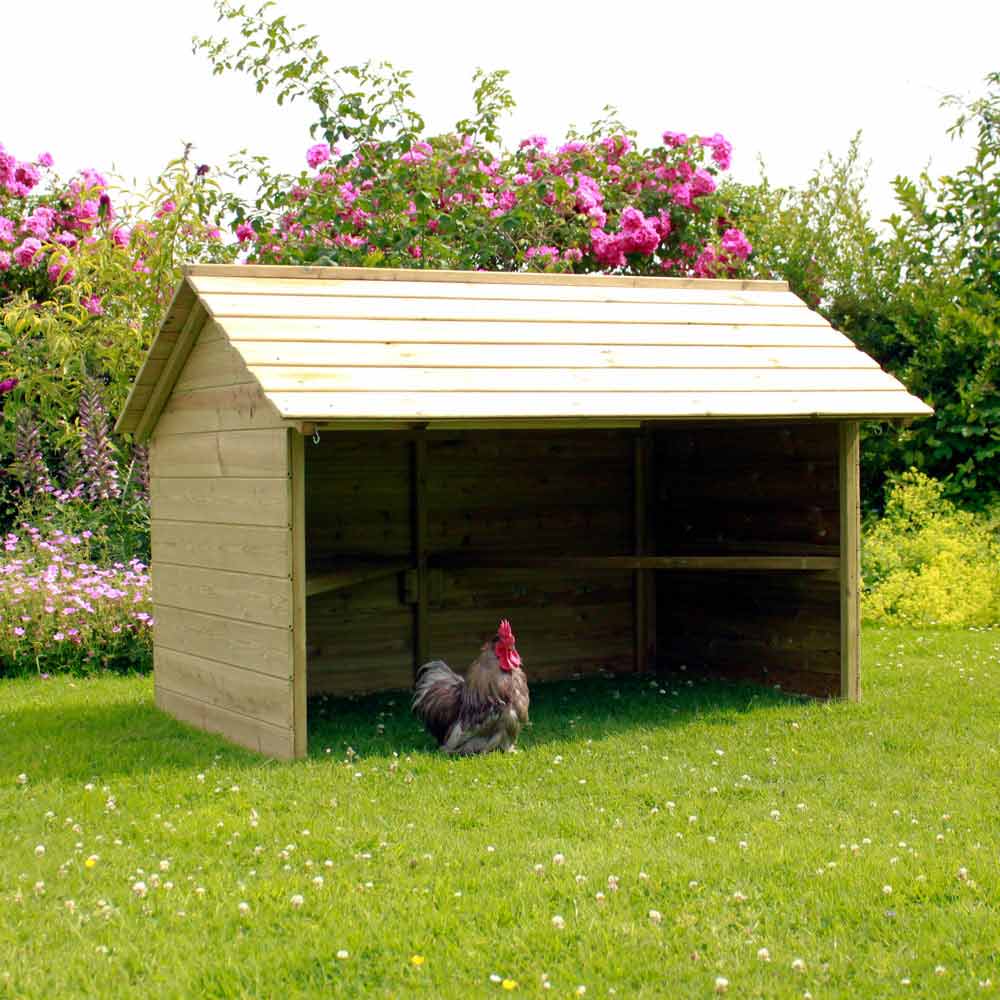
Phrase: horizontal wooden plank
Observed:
(266, 649)
(705, 293)
(265, 600)
(210, 365)
(445, 310)
(250, 330)
(726, 564)
(236, 548)
(326, 578)
(246, 454)
(260, 355)
(221, 501)
(221, 685)
(274, 741)
(234, 407)
(458, 406)
(253, 271)
(612, 379)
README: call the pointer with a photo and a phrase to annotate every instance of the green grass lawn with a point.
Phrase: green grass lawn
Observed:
(676, 830)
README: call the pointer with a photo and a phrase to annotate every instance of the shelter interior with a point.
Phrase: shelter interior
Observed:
(710, 546)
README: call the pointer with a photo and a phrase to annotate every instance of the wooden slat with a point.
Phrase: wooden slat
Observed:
(587, 407)
(241, 330)
(236, 548)
(255, 695)
(850, 561)
(212, 365)
(250, 454)
(171, 371)
(221, 501)
(266, 649)
(542, 379)
(390, 274)
(175, 317)
(240, 596)
(728, 564)
(273, 741)
(297, 539)
(233, 407)
(707, 293)
(420, 535)
(324, 581)
(445, 310)
(260, 355)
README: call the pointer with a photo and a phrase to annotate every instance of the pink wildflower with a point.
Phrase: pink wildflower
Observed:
(120, 236)
(573, 254)
(414, 251)
(45, 159)
(317, 154)
(92, 178)
(245, 232)
(521, 179)
(681, 194)
(703, 182)
(417, 153)
(165, 209)
(27, 174)
(674, 139)
(92, 303)
(734, 242)
(25, 253)
(538, 142)
(722, 150)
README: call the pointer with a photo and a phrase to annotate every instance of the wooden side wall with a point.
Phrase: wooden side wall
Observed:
(222, 554)
(752, 489)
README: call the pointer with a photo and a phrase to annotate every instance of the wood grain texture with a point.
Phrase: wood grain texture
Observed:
(266, 649)
(244, 454)
(706, 292)
(297, 538)
(272, 741)
(231, 501)
(587, 408)
(242, 597)
(237, 548)
(257, 696)
(236, 407)
(389, 274)
(850, 562)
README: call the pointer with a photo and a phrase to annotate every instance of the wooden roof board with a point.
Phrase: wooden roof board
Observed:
(379, 345)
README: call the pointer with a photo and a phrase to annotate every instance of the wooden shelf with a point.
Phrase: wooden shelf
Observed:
(324, 577)
(742, 563)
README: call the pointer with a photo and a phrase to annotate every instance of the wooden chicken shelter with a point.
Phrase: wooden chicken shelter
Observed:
(354, 470)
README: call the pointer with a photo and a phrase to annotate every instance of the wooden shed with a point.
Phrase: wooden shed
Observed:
(355, 470)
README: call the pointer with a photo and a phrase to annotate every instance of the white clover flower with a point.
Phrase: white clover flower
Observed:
(558, 859)
(963, 873)
(244, 909)
(721, 984)
(164, 865)
(21, 779)
(655, 916)
(558, 923)
(887, 890)
(40, 850)
(318, 881)
(763, 954)
(140, 889)
(939, 970)
(70, 905)
(343, 953)
(494, 978)
(798, 965)
(538, 869)
(297, 901)
(739, 897)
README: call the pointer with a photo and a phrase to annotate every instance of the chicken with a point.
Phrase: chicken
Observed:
(482, 711)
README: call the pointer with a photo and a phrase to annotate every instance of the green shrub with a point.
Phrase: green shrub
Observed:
(926, 561)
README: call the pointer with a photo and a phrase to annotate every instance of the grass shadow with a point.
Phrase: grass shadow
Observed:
(591, 708)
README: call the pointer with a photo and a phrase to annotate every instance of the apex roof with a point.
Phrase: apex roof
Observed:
(394, 347)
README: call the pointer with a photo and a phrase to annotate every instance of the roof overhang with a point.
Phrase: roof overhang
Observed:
(386, 348)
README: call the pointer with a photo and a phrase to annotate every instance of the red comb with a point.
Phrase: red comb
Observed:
(505, 634)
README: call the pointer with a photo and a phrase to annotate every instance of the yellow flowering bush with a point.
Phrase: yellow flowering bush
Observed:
(928, 562)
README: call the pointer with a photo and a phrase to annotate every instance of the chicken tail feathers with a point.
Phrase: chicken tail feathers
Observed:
(437, 698)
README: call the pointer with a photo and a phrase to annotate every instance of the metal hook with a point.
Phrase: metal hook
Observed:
(315, 437)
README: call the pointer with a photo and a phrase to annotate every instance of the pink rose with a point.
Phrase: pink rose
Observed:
(245, 232)
(317, 154)
(734, 242)
(25, 253)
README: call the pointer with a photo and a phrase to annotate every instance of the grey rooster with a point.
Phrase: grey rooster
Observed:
(482, 711)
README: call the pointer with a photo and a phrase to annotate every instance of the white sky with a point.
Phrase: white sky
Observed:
(114, 82)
